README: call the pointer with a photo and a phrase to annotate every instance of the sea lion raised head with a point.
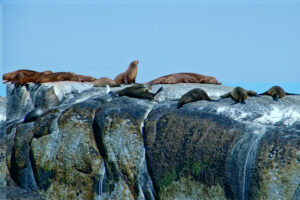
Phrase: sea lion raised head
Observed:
(193, 95)
(129, 75)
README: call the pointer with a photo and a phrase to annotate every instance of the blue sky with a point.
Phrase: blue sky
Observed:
(238, 43)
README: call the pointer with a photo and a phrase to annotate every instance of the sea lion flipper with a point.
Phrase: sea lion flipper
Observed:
(226, 95)
(158, 91)
(287, 93)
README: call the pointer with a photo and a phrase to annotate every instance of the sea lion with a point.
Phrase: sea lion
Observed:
(11, 75)
(83, 78)
(138, 91)
(193, 95)
(185, 78)
(103, 81)
(239, 94)
(129, 75)
(34, 114)
(276, 92)
(22, 78)
(58, 76)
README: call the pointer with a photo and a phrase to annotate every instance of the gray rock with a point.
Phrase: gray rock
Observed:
(88, 145)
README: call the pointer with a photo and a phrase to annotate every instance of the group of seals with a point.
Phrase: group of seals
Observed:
(238, 94)
(24, 76)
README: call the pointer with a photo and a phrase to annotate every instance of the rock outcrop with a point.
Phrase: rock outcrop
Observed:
(87, 145)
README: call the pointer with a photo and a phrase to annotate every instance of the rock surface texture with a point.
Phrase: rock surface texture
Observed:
(87, 145)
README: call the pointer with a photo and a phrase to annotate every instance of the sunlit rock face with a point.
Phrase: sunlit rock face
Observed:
(88, 145)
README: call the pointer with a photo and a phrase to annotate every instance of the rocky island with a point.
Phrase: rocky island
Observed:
(88, 145)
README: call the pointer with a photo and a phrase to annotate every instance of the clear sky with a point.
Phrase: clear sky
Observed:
(251, 42)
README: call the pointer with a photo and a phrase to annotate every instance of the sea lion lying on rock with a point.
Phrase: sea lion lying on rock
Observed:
(193, 95)
(23, 76)
(239, 94)
(276, 92)
(138, 91)
(58, 76)
(185, 78)
(103, 81)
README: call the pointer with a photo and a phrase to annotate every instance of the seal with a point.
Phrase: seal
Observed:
(83, 78)
(193, 95)
(58, 76)
(103, 81)
(239, 94)
(129, 75)
(139, 91)
(33, 115)
(276, 92)
(185, 78)
(23, 78)
(11, 75)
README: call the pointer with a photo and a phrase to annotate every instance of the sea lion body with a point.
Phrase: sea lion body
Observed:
(58, 76)
(103, 81)
(185, 78)
(138, 91)
(11, 75)
(129, 75)
(239, 94)
(83, 78)
(193, 95)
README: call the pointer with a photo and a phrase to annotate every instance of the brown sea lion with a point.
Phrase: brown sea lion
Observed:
(129, 75)
(58, 76)
(83, 78)
(239, 94)
(103, 81)
(11, 75)
(276, 92)
(138, 91)
(193, 95)
(185, 78)
(25, 76)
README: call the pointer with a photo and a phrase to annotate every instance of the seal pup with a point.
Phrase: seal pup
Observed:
(239, 94)
(276, 92)
(193, 95)
(129, 75)
(34, 114)
(139, 91)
